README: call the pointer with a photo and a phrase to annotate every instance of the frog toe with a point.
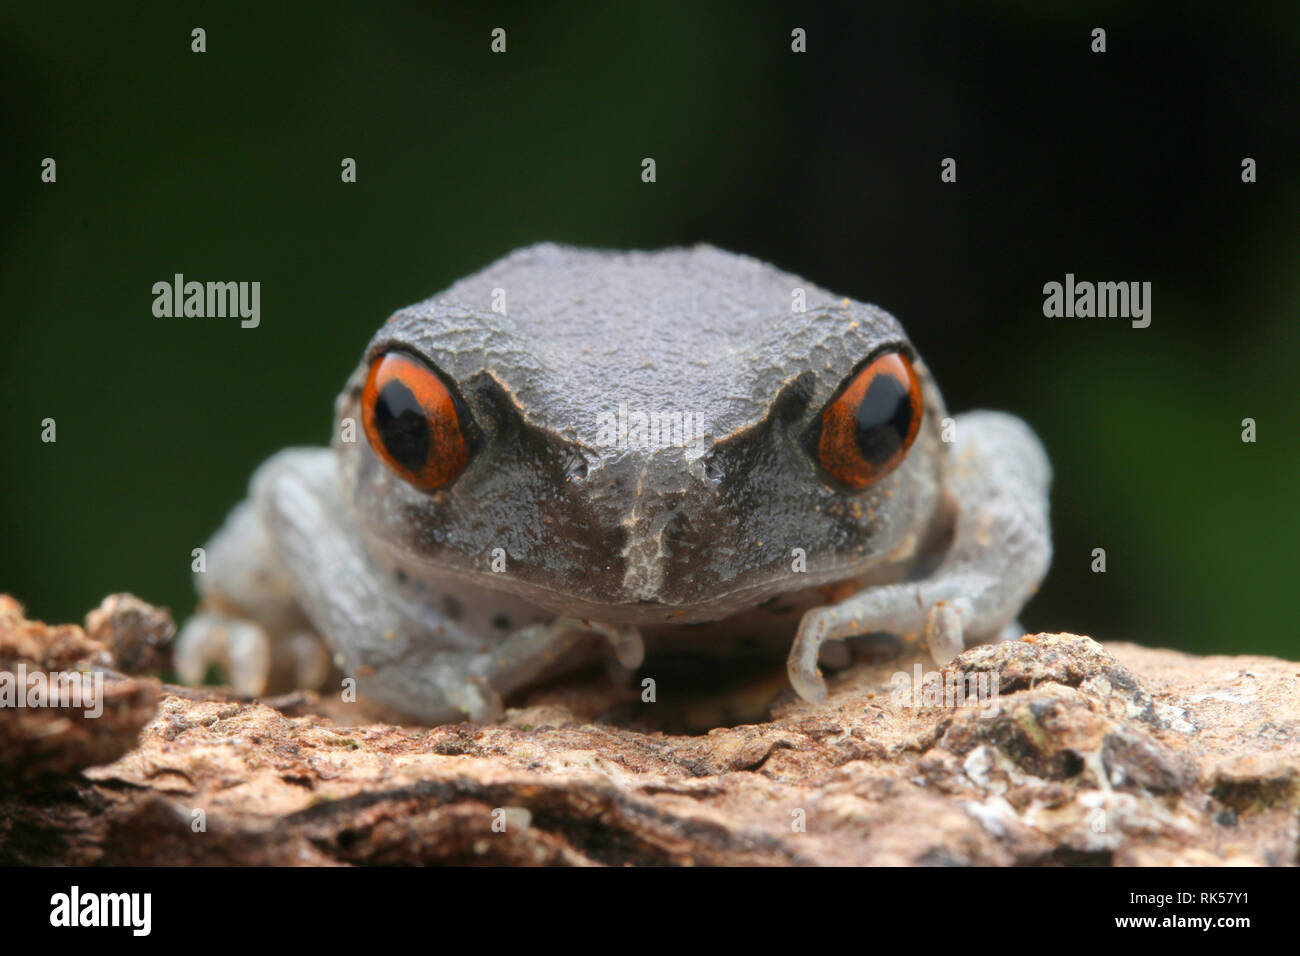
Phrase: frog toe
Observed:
(475, 698)
(805, 675)
(240, 648)
(944, 635)
(629, 647)
(309, 660)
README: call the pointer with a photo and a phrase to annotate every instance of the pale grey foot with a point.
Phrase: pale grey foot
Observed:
(423, 651)
(998, 476)
(248, 625)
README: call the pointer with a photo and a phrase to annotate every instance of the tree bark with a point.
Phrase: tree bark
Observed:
(1085, 755)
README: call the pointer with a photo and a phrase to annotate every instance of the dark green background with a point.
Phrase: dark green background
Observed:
(225, 166)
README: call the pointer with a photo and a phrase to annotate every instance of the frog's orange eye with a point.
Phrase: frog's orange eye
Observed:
(413, 421)
(867, 429)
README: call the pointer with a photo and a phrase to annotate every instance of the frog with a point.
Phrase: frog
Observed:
(499, 505)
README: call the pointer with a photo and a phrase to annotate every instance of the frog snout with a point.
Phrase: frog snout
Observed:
(665, 499)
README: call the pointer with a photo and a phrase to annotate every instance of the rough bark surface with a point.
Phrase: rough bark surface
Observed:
(1088, 755)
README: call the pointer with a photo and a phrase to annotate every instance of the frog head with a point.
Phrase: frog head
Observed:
(639, 438)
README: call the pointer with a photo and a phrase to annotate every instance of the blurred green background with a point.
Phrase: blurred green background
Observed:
(225, 166)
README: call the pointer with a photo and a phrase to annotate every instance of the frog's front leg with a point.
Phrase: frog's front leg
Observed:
(998, 477)
(249, 624)
(424, 650)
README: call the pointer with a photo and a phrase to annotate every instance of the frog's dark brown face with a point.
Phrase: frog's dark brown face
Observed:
(652, 438)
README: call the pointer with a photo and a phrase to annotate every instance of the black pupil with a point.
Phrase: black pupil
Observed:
(401, 426)
(884, 418)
